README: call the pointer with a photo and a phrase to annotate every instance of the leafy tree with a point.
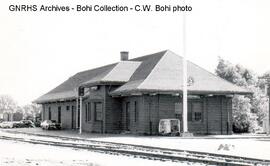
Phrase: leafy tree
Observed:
(31, 110)
(248, 111)
(7, 104)
(241, 114)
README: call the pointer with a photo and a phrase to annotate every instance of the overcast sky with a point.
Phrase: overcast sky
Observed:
(38, 51)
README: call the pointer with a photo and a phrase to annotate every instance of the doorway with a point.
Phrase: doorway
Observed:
(73, 120)
(127, 116)
(59, 114)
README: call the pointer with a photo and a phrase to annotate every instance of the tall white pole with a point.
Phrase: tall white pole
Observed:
(185, 124)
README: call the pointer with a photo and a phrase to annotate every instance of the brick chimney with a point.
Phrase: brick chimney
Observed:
(124, 55)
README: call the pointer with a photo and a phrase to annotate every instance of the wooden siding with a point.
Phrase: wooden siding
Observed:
(65, 114)
(216, 113)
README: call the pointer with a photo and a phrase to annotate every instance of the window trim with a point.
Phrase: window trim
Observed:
(191, 112)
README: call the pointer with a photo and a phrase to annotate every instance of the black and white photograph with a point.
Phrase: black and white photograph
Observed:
(117, 83)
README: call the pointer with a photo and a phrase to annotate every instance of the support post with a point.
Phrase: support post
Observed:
(80, 114)
(104, 113)
(77, 113)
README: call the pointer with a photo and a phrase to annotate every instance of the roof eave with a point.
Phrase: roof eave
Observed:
(53, 100)
(103, 83)
(129, 92)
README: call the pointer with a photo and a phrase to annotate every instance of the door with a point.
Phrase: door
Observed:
(50, 114)
(72, 117)
(128, 116)
(79, 112)
(59, 114)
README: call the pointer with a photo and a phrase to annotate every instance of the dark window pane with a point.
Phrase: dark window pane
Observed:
(179, 116)
(197, 109)
(198, 116)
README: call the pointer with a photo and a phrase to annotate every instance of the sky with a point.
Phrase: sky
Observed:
(40, 50)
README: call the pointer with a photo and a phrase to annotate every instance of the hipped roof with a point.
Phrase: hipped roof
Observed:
(159, 72)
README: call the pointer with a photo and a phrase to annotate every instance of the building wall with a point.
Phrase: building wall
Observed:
(136, 122)
(216, 113)
(219, 115)
(65, 114)
(92, 125)
(113, 111)
(111, 108)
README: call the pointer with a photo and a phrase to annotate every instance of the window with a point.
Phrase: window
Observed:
(198, 116)
(178, 107)
(98, 111)
(194, 111)
(197, 110)
(67, 107)
(87, 112)
(135, 111)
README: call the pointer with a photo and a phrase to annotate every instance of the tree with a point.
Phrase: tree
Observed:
(248, 111)
(31, 110)
(7, 105)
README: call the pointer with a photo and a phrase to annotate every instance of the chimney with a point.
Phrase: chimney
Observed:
(124, 55)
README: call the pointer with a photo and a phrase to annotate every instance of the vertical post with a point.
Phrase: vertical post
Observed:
(77, 113)
(104, 113)
(185, 124)
(80, 114)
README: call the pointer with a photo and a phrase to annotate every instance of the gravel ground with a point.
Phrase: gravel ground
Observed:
(23, 154)
(254, 146)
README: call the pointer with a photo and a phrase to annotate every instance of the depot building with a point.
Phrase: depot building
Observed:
(134, 94)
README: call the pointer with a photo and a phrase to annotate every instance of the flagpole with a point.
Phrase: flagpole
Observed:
(185, 124)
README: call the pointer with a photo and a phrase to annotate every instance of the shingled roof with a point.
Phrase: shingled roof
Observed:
(159, 72)
(166, 76)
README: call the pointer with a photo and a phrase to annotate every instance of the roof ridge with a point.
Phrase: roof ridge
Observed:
(94, 68)
(148, 55)
(120, 61)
